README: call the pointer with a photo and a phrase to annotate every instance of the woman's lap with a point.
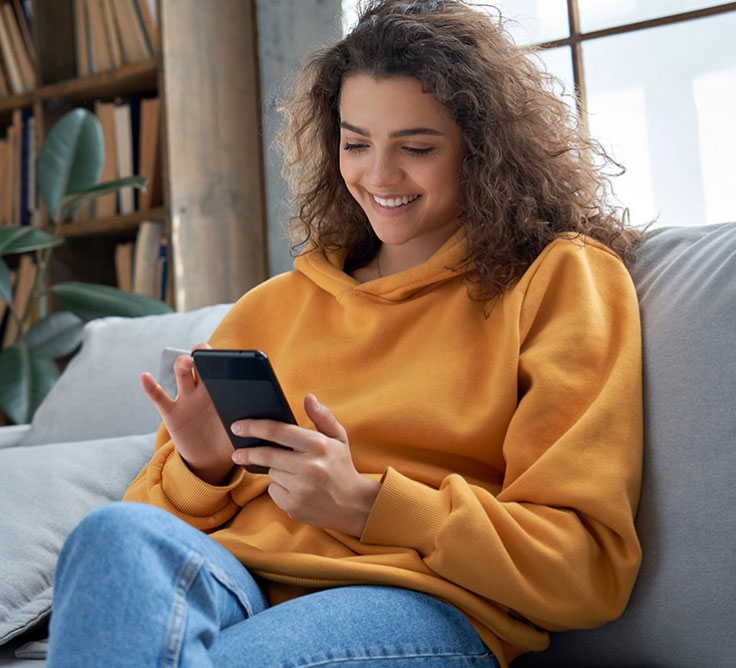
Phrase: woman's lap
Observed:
(189, 580)
(375, 626)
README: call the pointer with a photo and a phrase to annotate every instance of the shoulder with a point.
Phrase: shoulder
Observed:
(262, 304)
(574, 254)
(277, 289)
(572, 274)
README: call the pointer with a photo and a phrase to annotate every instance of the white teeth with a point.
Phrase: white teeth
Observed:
(392, 202)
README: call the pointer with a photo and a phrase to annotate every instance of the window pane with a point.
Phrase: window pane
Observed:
(532, 21)
(661, 100)
(597, 14)
(558, 62)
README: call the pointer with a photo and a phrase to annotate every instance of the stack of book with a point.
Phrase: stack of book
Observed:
(131, 130)
(18, 170)
(110, 33)
(142, 265)
(132, 147)
(17, 56)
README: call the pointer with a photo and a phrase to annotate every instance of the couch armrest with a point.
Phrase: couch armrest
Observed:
(10, 435)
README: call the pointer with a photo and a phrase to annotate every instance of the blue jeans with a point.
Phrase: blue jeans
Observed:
(135, 586)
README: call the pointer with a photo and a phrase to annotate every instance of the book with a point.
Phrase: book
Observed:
(81, 38)
(112, 34)
(145, 17)
(124, 155)
(32, 192)
(106, 205)
(6, 186)
(23, 286)
(15, 140)
(23, 20)
(130, 30)
(163, 267)
(27, 72)
(150, 153)
(101, 56)
(24, 213)
(4, 86)
(124, 265)
(12, 68)
(146, 265)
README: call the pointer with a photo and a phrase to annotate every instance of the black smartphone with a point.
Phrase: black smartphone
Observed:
(242, 384)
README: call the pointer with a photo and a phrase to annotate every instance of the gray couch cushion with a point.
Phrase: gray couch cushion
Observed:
(45, 490)
(683, 609)
(99, 394)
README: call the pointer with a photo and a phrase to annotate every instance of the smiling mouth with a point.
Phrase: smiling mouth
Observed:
(393, 202)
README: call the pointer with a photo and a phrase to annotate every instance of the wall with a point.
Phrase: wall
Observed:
(287, 31)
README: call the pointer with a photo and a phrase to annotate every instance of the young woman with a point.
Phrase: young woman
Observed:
(460, 343)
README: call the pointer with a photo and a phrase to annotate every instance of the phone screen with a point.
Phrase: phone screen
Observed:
(242, 384)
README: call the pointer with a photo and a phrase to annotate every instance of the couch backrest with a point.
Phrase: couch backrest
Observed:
(99, 394)
(683, 608)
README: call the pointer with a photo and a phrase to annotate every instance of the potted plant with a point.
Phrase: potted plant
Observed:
(68, 170)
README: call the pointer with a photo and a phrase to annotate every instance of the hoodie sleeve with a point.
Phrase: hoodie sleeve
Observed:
(557, 544)
(167, 481)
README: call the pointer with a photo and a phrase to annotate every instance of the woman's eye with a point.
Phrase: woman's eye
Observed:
(352, 147)
(419, 151)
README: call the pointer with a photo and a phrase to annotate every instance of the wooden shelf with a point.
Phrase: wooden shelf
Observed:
(124, 80)
(205, 74)
(111, 226)
(129, 79)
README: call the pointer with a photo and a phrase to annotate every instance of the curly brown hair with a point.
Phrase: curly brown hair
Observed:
(529, 171)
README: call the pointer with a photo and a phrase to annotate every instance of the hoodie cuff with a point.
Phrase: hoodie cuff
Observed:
(406, 513)
(191, 495)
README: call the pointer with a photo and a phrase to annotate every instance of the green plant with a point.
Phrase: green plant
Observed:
(68, 170)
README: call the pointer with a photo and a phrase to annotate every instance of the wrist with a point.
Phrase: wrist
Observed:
(367, 492)
(211, 473)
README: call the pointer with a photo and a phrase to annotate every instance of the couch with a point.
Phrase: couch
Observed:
(95, 430)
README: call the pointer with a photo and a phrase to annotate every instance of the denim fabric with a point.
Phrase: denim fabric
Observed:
(135, 586)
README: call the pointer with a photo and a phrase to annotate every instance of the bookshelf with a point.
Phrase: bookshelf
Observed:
(204, 72)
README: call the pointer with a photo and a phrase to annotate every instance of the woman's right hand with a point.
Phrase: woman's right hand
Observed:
(192, 422)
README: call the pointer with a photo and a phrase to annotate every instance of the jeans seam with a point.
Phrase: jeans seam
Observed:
(399, 657)
(178, 617)
(228, 583)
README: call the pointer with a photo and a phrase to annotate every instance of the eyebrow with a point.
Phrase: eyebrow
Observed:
(408, 132)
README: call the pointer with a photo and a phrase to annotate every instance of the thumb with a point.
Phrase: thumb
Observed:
(323, 419)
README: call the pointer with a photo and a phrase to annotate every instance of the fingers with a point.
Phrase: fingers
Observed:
(156, 393)
(293, 436)
(184, 372)
(323, 419)
(274, 459)
(289, 435)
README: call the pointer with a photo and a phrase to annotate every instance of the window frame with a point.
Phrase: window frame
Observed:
(576, 38)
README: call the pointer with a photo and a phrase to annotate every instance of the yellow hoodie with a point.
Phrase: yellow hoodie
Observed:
(509, 446)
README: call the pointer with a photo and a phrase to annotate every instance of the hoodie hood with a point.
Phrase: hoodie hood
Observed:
(326, 270)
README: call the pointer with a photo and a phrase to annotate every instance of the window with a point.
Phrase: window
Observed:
(657, 83)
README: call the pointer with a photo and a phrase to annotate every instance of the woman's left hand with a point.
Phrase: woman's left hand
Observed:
(316, 482)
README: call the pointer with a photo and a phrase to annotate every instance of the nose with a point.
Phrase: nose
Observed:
(384, 169)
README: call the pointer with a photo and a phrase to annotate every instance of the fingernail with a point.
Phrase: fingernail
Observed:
(236, 428)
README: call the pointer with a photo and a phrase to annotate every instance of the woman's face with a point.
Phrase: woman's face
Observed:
(400, 154)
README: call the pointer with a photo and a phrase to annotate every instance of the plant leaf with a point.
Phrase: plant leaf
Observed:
(22, 239)
(71, 158)
(6, 288)
(74, 200)
(15, 382)
(26, 376)
(57, 334)
(91, 301)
